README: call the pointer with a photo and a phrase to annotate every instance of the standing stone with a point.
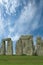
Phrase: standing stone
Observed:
(3, 48)
(19, 47)
(9, 47)
(42, 47)
(39, 46)
(25, 45)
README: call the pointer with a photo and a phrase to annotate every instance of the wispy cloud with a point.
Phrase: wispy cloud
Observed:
(10, 6)
(0, 1)
(24, 22)
(1, 24)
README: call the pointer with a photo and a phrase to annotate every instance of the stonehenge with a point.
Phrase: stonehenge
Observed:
(24, 46)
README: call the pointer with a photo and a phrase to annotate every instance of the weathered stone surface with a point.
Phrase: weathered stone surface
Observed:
(6, 39)
(39, 46)
(3, 48)
(25, 45)
(19, 48)
(9, 50)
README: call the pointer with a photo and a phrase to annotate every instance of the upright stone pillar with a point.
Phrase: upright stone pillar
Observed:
(9, 47)
(38, 46)
(29, 45)
(3, 48)
(19, 47)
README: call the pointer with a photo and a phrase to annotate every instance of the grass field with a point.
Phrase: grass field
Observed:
(21, 60)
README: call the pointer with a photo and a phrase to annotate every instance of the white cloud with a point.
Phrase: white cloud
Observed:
(1, 24)
(14, 38)
(25, 22)
(11, 30)
(1, 1)
(27, 14)
(34, 26)
(25, 18)
(10, 5)
(1, 28)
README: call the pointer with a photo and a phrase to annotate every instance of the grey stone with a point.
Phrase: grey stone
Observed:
(9, 50)
(25, 45)
(39, 45)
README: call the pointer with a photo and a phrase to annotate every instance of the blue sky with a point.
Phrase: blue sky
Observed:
(18, 17)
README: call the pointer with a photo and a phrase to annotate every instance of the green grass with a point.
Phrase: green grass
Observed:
(21, 60)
